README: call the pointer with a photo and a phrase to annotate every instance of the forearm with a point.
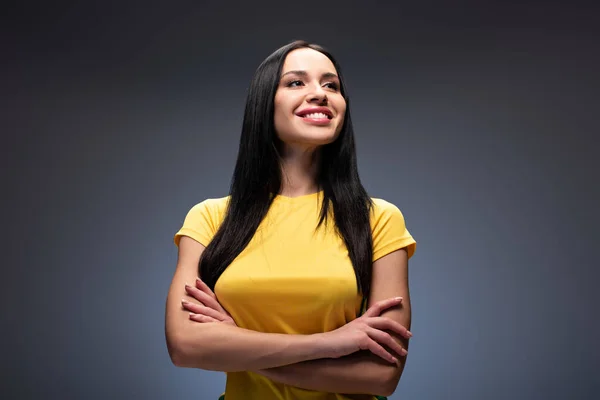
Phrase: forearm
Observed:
(359, 373)
(221, 347)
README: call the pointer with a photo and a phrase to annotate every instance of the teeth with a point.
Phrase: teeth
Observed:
(316, 115)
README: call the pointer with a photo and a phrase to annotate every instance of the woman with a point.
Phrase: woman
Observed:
(289, 260)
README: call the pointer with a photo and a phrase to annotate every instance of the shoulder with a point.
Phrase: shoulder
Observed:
(211, 206)
(384, 209)
(203, 220)
(389, 229)
(210, 211)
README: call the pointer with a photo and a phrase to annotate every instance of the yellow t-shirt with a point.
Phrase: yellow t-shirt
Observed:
(291, 278)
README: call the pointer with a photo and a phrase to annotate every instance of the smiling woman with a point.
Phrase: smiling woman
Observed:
(304, 68)
(301, 277)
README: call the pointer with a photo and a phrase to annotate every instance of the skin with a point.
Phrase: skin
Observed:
(318, 86)
(358, 373)
(235, 349)
(368, 354)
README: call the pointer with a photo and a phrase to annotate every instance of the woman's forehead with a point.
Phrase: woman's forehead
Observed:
(308, 60)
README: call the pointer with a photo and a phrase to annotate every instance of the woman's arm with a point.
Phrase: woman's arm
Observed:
(360, 372)
(222, 347)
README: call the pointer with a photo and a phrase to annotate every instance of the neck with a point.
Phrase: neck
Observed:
(299, 171)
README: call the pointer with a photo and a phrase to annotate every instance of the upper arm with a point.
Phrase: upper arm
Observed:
(393, 245)
(390, 279)
(198, 229)
(186, 272)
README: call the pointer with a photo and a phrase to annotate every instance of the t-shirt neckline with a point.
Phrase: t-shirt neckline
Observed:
(298, 199)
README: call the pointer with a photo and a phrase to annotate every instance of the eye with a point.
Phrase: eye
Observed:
(332, 85)
(293, 83)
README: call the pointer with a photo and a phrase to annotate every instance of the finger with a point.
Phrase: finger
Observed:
(187, 304)
(201, 309)
(201, 318)
(383, 323)
(378, 307)
(204, 287)
(203, 298)
(378, 350)
(386, 339)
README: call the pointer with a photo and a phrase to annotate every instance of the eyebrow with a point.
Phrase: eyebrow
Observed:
(304, 73)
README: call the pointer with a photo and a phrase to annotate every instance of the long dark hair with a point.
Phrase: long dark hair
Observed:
(257, 180)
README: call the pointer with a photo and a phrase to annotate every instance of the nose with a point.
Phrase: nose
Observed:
(317, 95)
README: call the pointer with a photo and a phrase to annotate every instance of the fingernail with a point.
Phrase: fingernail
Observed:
(404, 352)
(398, 298)
(187, 286)
(184, 301)
(408, 333)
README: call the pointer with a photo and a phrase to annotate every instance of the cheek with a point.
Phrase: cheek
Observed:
(342, 110)
(280, 118)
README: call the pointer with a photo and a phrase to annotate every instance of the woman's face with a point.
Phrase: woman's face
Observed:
(309, 107)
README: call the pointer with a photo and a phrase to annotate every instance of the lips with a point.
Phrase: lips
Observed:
(315, 110)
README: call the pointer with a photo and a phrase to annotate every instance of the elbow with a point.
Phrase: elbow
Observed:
(186, 353)
(187, 350)
(389, 381)
(387, 389)
(178, 359)
(179, 352)
(176, 352)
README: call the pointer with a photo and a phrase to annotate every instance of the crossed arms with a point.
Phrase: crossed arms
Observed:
(304, 361)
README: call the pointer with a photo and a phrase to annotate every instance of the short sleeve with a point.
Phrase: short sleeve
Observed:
(202, 221)
(389, 230)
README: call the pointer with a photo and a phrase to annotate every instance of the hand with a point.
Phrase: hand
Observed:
(209, 309)
(367, 333)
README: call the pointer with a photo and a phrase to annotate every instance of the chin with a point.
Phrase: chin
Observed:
(314, 137)
(310, 140)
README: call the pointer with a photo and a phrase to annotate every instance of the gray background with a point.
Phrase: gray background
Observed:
(478, 120)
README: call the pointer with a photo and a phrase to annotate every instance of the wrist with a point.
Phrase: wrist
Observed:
(320, 343)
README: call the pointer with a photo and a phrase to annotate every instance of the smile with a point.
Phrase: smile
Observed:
(315, 113)
(316, 116)
(316, 119)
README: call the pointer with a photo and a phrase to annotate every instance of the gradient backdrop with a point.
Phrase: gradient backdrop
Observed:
(478, 120)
